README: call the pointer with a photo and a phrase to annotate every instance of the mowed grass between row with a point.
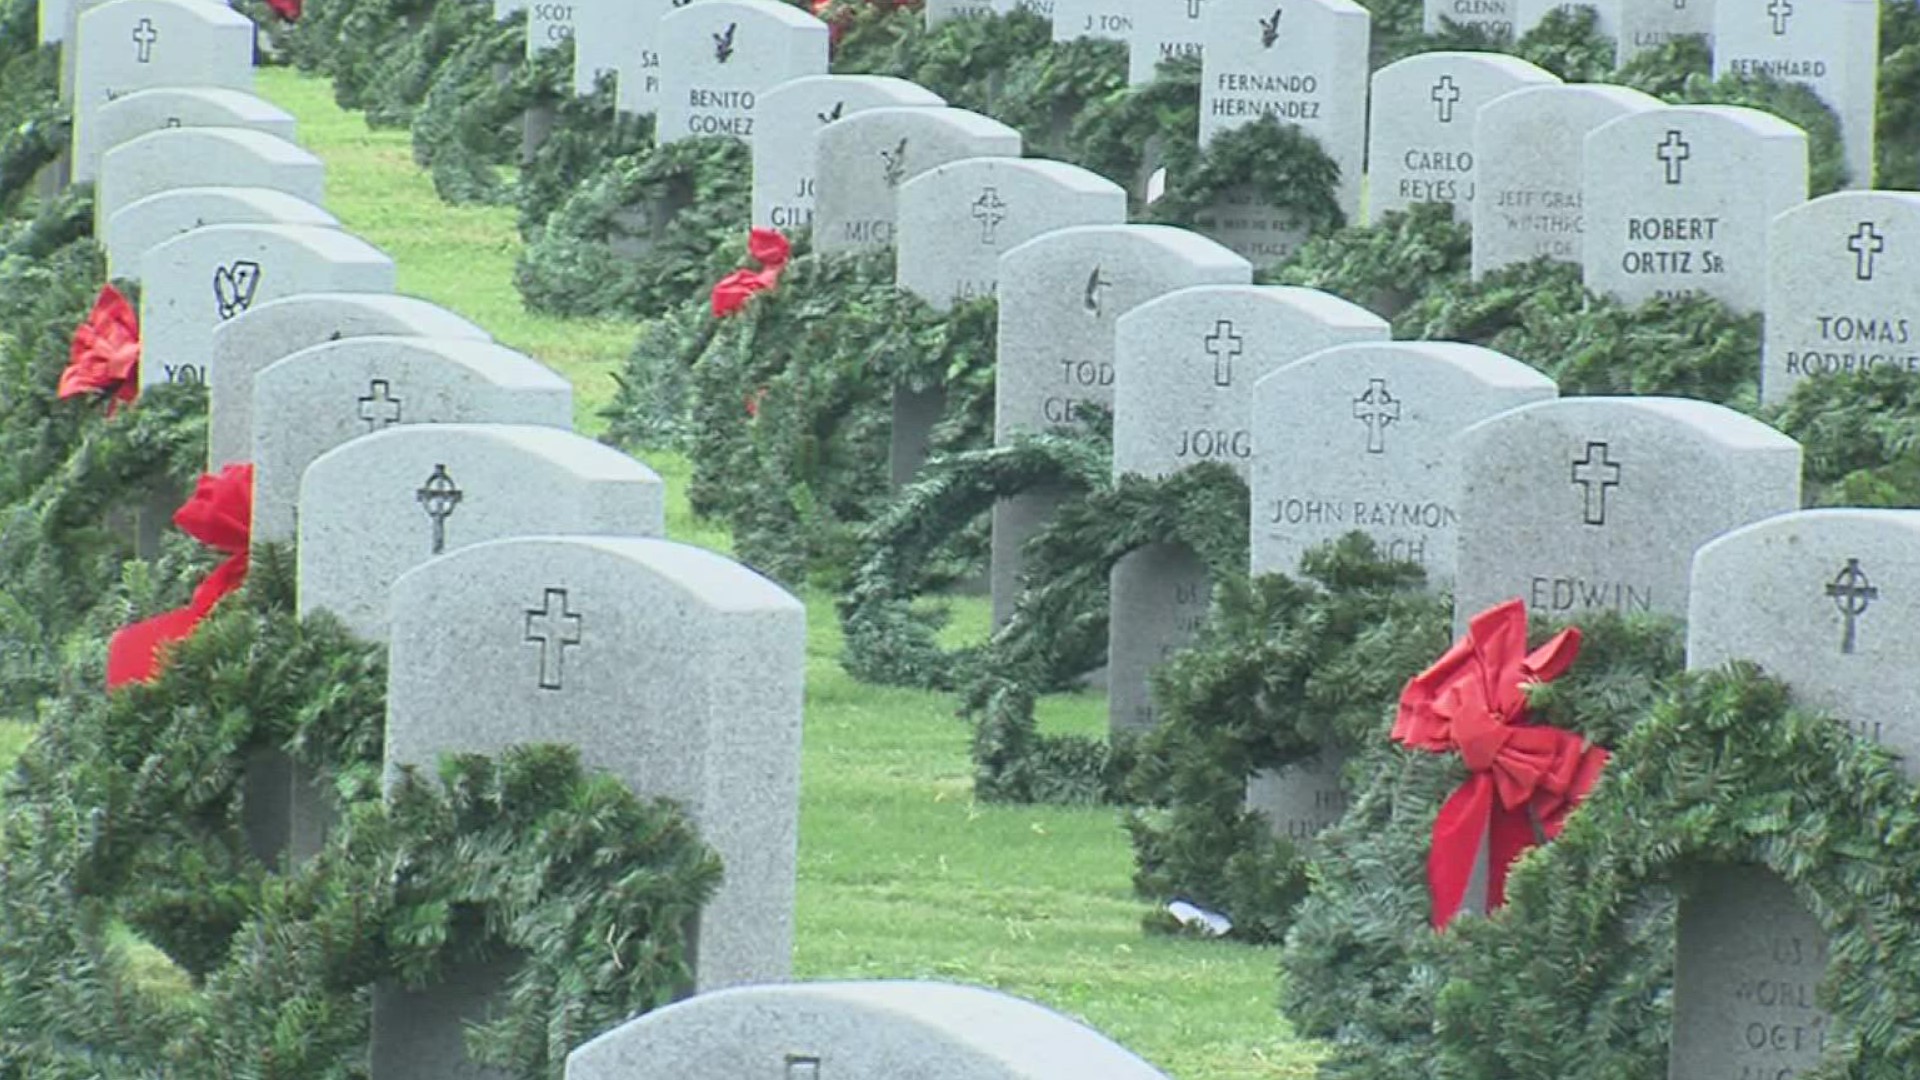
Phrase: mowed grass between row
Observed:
(902, 874)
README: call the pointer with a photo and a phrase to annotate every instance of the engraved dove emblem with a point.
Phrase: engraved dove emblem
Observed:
(723, 43)
(832, 114)
(1096, 281)
(1270, 30)
(233, 287)
(896, 160)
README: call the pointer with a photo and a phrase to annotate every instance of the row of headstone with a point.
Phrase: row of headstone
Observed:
(441, 503)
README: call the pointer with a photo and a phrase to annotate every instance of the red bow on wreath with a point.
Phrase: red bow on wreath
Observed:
(105, 356)
(286, 9)
(1526, 778)
(220, 515)
(771, 250)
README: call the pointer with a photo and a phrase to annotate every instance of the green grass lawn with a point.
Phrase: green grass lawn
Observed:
(902, 873)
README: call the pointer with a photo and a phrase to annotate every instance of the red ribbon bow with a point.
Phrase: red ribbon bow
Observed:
(286, 9)
(105, 356)
(220, 515)
(1526, 779)
(771, 250)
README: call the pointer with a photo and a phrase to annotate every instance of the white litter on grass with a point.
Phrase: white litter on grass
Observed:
(1212, 923)
(1156, 187)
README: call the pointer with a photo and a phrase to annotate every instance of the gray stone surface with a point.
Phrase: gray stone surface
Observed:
(53, 20)
(270, 332)
(939, 11)
(1365, 437)
(145, 224)
(672, 668)
(1832, 46)
(1528, 13)
(717, 56)
(855, 1031)
(376, 507)
(790, 116)
(1061, 296)
(1108, 19)
(1649, 24)
(1678, 200)
(955, 221)
(1493, 16)
(132, 115)
(196, 157)
(550, 23)
(1304, 62)
(324, 396)
(1185, 365)
(1821, 600)
(200, 279)
(130, 45)
(1420, 138)
(1840, 288)
(1302, 800)
(861, 160)
(1528, 150)
(623, 38)
(1586, 504)
(1163, 30)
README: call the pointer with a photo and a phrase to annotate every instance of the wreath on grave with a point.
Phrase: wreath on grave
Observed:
(1897, 121)
(469, 127)
(1721, 771)
(792, 406)
(1058, 628)
(966, 61)
(1286, 669)
(33, 126)
(125, 808)
(589, 131)
(888, 640)
(1359, 968)
(639, 234)
(1384, 267)
(409, 62)
(1859, 434)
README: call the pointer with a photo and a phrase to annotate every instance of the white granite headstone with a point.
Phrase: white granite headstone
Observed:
(1108, 19)
(197, 157)
(1841, 288)
(270, 332)
(147, 223)
(330, 394)
(861, 160)
(1164, 30)
(623, 38)
(1589, 504)
(1832, 46)
(1678, 200)
(1061, 297)
(1492, 16)
(1528, 149)
(717, 56)
(1527, 14)
(1650, 24)
(132, 115)
(1420, 139)
(130, 45)
(200, 279)
(790, 116)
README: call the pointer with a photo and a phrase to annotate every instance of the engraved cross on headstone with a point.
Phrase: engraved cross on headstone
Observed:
(439, 496)
(144, 35)
(1781, 10)
(1865, 244)
(989, 211)
(1596, 475)
(1674, 153)
(1446, 95)
(555, 632)
(1378, 409)
(1853, 593)
(379, 408)
(1224, 345)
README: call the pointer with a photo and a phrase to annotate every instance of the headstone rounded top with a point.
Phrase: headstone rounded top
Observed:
(203, 11)
(148, 221)
(867, 1029)
(713, 581)
(1549, 95)
(1061, 173)
(1519, 68)
(196, 142)
(1841, 201)
(588, 459)
(1749, 121)
(1334, 312)
(1486, 366)
(423, 318)
(1703, 421)
(1183, 243)
(335, 245)
(1826, 517)
(238, 103)
(964, 121)
(490, 361)
(884, 87)
(715, 10)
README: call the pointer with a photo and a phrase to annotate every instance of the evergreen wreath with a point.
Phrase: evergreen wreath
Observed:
(1406, 255)
(639, 234)
(33, 126)
(589, 130)
(1859, 433)
(1722, 771)
(888, 640)
(469, 128)
(1897, 123)
(1058, 629)
(408, 63)
(1287, 669)
(1358, 969)
(125, 808)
